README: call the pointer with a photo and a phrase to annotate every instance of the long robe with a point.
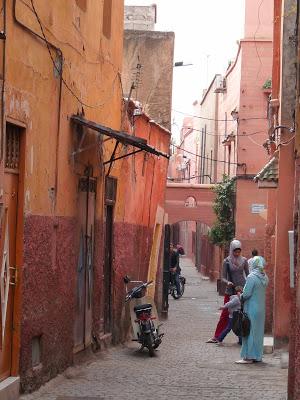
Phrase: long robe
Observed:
(254, 296)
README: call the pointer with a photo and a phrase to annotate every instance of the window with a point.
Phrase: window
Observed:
(36, 351)
(106, 23)
(110, 190)
(12, 147)
(190, 202)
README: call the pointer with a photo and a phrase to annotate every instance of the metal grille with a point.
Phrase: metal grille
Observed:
(87, 184)
(110, 189)
(12, 153)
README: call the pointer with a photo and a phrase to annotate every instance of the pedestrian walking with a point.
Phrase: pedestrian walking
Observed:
(235, 268)
(234, 304)
(254, 296)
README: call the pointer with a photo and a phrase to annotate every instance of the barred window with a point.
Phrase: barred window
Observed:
(12, 153)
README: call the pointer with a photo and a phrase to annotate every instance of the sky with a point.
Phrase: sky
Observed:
(206, 35)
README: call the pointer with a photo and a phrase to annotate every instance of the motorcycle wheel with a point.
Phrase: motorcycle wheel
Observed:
(149, 344)
(175, 295)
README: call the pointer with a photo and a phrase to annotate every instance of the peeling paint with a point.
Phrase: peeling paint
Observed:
(25, 108)
(31, 160)
(27, 200)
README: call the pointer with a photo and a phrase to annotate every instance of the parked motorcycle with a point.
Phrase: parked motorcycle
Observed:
(173, 288)
(143, 315)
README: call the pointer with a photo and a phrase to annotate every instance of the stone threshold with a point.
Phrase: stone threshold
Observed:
(10, 388)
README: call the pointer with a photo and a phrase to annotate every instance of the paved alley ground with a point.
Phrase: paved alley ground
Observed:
(185, 367)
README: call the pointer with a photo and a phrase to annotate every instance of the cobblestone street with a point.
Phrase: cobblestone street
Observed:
(184, 365)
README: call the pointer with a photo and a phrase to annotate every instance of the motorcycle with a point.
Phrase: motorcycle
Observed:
(173, 288)
(143, 315)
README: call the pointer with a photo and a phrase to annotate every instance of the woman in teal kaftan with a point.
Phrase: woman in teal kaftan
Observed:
(254, 297)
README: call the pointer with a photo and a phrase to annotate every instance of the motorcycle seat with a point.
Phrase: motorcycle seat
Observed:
(142, 307)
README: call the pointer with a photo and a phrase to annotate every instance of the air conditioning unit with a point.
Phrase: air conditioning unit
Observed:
(220, 84)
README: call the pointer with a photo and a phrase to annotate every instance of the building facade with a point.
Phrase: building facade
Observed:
(67, 177)
(148, 71)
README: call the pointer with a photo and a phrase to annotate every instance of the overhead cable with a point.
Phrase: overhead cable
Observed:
(222, 134)
(218, 120)
(205, 157)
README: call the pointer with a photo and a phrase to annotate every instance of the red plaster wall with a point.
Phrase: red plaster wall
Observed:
(248, 194)
(50, 259)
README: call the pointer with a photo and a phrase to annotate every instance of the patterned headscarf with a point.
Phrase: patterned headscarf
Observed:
(258, 269)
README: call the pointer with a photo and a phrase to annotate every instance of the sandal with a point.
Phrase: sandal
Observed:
(212, 340)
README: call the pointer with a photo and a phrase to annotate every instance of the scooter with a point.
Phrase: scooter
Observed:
(143, 316)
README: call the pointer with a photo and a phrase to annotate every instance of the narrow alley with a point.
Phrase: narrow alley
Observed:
(184, 365)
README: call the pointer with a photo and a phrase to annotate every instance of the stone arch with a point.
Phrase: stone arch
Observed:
(175, 203)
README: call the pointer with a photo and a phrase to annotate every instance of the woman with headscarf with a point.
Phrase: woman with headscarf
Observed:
(235, 268)
(253, 297)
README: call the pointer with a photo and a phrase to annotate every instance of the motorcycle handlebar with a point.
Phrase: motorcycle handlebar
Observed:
(134, 290)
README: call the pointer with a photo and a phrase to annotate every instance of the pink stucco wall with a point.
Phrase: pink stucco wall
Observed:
(258, 19)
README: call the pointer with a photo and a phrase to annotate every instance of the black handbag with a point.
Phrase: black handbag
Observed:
(222, 286)
(241, 323)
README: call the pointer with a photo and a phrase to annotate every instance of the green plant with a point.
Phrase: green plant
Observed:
(268, 84)
(223, 230)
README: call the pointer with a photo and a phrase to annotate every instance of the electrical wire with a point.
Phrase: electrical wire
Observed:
(59, 70)
(222, 134)
(285, 143)
(205, 157)
(218, 120)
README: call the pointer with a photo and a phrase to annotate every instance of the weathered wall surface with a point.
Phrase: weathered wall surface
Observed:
(140, 17)
(141, 191)
(42, 104)
(39, 101)
(153, 51)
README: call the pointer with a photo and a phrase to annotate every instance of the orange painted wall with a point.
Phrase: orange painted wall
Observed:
(33, 91)
(91, 71)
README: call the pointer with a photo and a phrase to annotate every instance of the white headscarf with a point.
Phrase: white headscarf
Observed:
(237, 262)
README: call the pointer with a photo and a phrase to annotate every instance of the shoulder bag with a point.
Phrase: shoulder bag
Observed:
(241, 323)
(221, 285)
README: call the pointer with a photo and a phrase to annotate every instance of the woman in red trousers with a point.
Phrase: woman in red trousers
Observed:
(235, 270)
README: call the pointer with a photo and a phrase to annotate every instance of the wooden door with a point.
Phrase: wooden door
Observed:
(8, 247)
(84, 275)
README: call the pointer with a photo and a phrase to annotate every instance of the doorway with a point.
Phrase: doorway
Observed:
(84, 287)
(11, 260)
(110, 199)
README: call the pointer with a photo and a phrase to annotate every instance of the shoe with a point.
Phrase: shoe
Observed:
(244, 362)
(212, 340)
(220, 344)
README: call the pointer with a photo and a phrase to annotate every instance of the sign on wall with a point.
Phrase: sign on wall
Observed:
(257, 208)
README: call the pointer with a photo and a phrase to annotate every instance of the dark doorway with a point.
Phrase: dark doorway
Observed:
(110, 199)
(84, 295)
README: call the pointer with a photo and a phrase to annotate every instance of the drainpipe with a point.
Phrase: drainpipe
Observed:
(203, 155)
(201, 158)
(3, 83)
